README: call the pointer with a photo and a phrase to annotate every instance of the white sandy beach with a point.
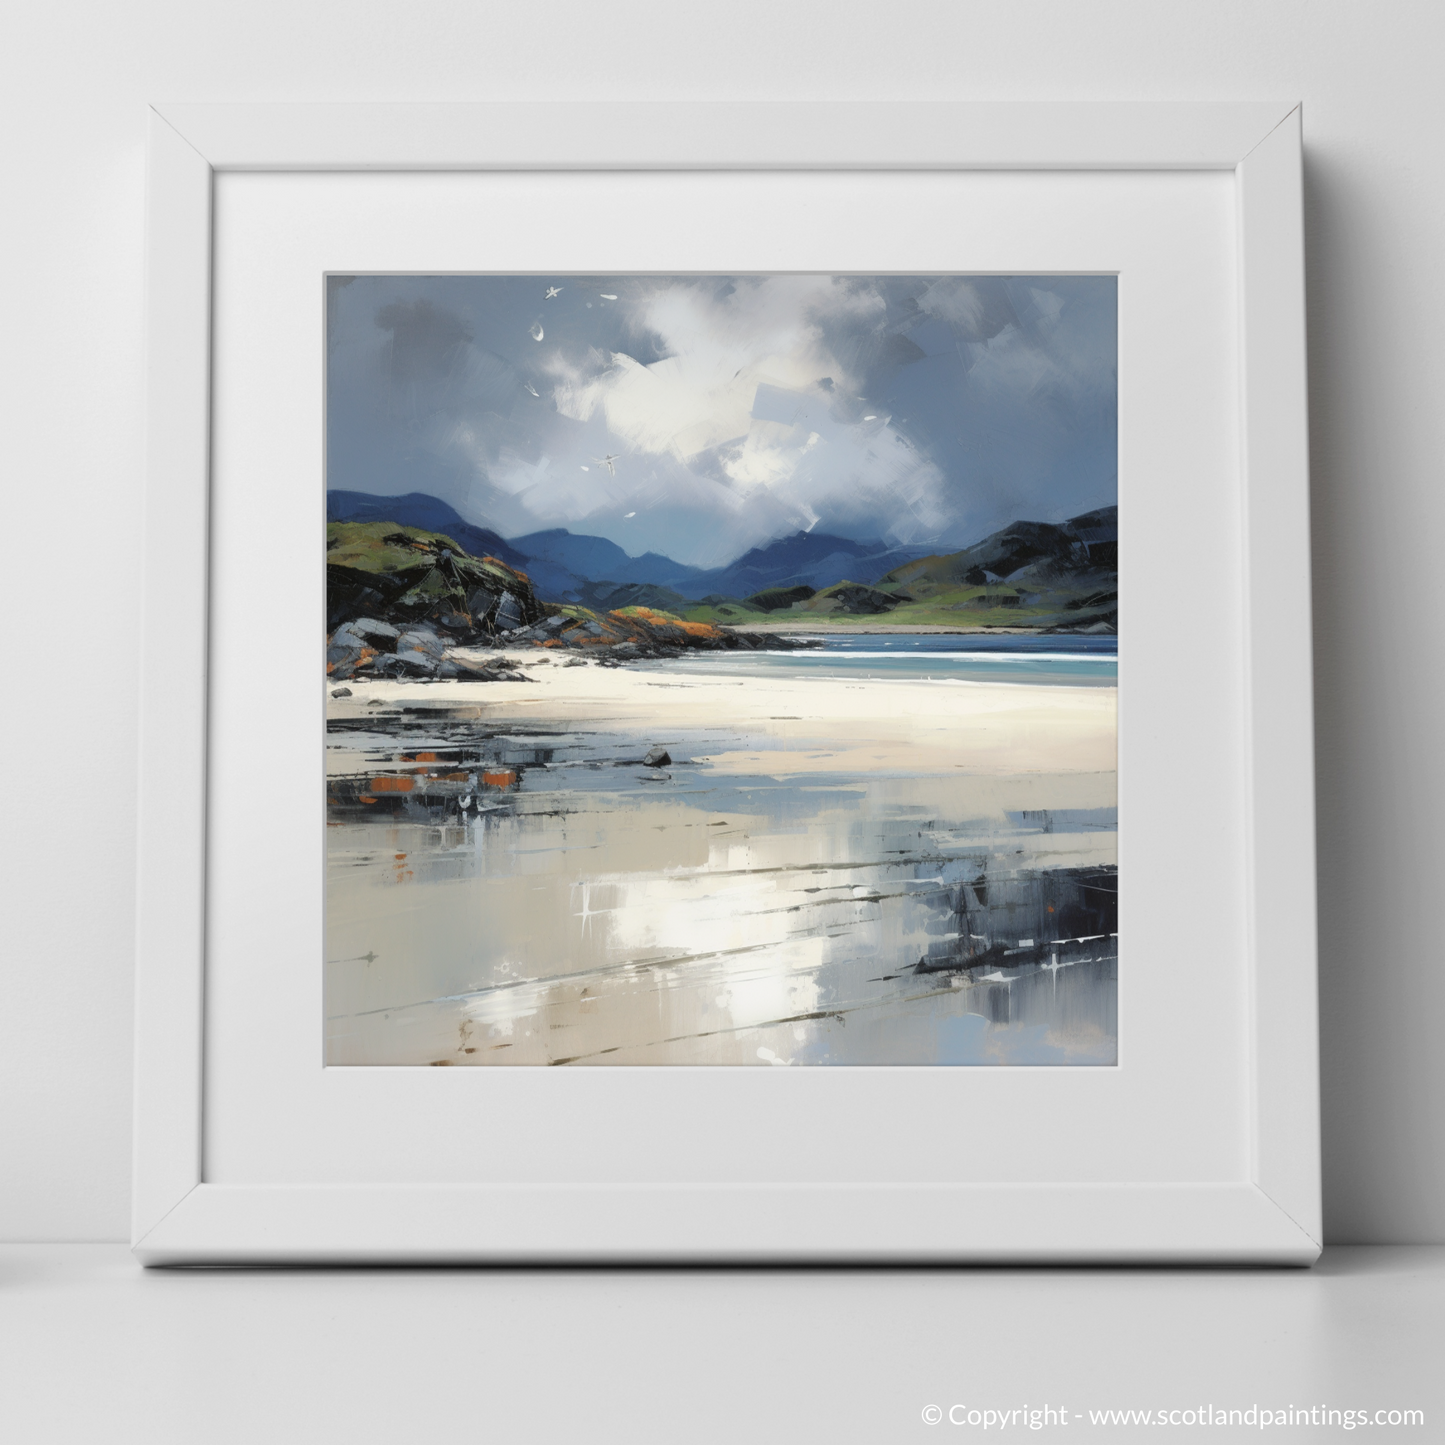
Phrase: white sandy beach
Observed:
(870, 725)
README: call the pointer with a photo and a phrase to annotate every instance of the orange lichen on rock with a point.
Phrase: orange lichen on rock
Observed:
(658, 620)
(392, 785)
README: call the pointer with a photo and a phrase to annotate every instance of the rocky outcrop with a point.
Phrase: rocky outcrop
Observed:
(405, 603)
(636, 632)
(402, 576)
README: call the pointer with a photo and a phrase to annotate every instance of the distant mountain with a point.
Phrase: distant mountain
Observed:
(596, 559)
(560, 564)
(1061, 570)
(417, 509)
(1026, 555)
(582, 556)
(1058, 577)
(806, 559)
(608, 596)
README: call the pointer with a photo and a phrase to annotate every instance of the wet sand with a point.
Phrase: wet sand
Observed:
(763, 899)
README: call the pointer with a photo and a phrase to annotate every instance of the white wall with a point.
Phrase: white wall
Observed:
(77, 75)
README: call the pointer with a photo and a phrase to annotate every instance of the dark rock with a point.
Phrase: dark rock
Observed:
(407, 662)
(508, 614)
(347, 636)
(340, 692)
(345, 598)
(375, 634)
(457, 623)
(657, 758)
(420, 640)
(865, 601)
(775, 599)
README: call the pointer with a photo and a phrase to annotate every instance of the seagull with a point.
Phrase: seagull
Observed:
(533, 390)
(537, 331)
(629, 514)
(609, 461)
(606, 297)
(551, 292)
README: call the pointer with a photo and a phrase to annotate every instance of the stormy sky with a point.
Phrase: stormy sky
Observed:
(912, 409)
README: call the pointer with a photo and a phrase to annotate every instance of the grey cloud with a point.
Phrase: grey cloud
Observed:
(994, 397)
(426, 341)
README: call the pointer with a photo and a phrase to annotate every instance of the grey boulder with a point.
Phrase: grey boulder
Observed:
(381, 636)
(422, 641)
(508, 614)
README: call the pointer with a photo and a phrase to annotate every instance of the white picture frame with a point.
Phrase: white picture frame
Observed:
(1269, 1213)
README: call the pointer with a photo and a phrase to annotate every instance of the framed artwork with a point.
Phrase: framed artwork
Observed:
(809, 757)
(678, 637)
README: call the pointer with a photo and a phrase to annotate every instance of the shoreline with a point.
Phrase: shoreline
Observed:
(901, 629)
(796, 725)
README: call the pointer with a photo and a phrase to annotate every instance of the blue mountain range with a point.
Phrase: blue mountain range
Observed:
(595, 559)
(812, 559)
(562, 565)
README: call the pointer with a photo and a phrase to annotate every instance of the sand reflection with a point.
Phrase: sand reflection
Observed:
(854, 883)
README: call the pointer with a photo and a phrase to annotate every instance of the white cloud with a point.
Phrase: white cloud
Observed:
(719, 351)
(740, 381)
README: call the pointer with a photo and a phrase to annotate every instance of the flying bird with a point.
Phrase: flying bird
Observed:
(532, 389)
(609, 461)
(551, 292)
(536, 331)
(606, 297)
(629, 514)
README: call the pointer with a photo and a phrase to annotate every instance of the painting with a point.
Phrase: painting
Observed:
(721, 670)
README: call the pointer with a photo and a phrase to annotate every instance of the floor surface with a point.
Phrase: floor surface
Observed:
(93, 1348)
